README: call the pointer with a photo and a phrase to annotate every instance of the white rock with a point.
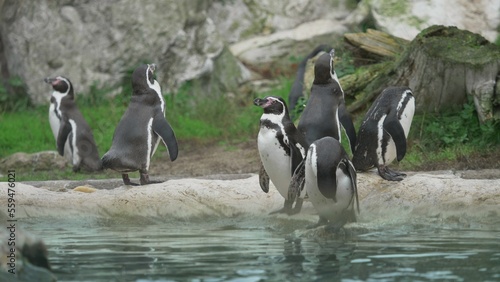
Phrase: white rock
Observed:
(406, 19)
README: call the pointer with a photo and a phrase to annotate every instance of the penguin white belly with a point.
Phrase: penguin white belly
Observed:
(390, 153)
(55, 124)
(54, 121)
(75, 155)
(151, 145)
(276, 163)
(407, 116)
(326, 207)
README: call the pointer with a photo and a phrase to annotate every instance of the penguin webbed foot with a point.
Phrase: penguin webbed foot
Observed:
(287, 208)
(144, 180)
(390, 175)
(126, 180)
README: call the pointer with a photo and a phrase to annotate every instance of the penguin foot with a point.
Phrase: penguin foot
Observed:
(297, 208)
(126, 180)
(287, 208)
(282, 210)
(391, 175)
(145, 179)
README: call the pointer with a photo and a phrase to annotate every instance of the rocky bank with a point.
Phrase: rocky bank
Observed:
(443, 197)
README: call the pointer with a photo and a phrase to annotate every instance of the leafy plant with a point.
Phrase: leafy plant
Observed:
(450, 128)
(13, 96)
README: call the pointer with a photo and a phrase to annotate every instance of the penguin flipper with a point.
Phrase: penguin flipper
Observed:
(394, 128)
(165, 131)
(263, 179)
(296, 157)
(347, 124)
(64, 131)
(327, 182)
(352, 173)
(297, 182)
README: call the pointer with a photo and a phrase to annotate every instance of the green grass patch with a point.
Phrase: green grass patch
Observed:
(450, 137)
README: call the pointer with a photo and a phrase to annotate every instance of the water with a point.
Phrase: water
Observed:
(266, 250)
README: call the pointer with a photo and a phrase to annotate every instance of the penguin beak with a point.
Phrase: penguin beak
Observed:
(152, 67)
(260, 102)
(50, 81)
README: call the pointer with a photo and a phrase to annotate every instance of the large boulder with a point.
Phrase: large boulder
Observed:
(240, 20)
(41, 161)
(96, 43)
(406, 19)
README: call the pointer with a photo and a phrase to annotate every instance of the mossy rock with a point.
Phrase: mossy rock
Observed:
(456, 46)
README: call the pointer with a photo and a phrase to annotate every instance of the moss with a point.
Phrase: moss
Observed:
(393, 8)
(456, 46)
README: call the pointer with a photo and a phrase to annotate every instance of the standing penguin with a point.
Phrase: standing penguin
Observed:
(281, 148)
(74, 138)
(326, 111)
(297, 89)
(140, 129)
(382, 135)
(330, 183)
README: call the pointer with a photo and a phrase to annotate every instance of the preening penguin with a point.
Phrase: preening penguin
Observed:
(74, 138)
(382, 135)
(325, 111)
(140, 129)
(281, 148)
(330, 183)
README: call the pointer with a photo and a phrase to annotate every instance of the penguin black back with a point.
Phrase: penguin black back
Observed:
(140, 129)
(297, 89)
(383, 132)
(325, 111)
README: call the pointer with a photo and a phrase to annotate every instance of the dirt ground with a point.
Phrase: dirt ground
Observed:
(211, 159)
(197, 159)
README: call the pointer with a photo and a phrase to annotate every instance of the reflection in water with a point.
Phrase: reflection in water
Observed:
(246, 251)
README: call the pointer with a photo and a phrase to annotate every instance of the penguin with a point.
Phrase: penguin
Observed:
(74, 138)
(281, 148)
(140, 129)
(297, 89)
(330, 183)
(325, 111)
(382, 135)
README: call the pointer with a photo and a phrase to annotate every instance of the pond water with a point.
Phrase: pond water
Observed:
(245, 249)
